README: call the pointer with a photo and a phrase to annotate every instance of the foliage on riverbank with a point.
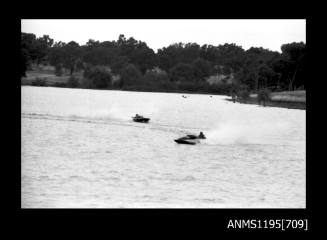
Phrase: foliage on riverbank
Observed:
(286, 99)
(154, 82)
(97, 77)
(129, 64)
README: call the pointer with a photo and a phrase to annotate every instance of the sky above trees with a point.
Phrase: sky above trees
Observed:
(270, 34)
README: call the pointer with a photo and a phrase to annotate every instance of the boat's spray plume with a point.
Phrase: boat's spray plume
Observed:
(246, 133)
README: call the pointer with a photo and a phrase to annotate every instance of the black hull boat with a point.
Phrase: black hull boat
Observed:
(190, 139)
(185, 141)
(141, 119)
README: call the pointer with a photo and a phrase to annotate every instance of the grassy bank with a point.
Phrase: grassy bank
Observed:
(285, 99)
(49, 79)
(44, 79)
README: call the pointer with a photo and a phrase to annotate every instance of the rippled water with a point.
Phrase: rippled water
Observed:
(81, 149)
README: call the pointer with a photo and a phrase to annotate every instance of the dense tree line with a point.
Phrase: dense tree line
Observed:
(33, 49)
(131, 64)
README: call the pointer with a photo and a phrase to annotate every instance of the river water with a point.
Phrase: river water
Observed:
(80, 149)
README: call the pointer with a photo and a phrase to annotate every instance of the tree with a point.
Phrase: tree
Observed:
(243, 94)
(157, 80)
(169, 56)
(71, 53)
(24, 62)
(72, 82)
(143, 57)
(92, 43)
(209, 53)
(34, 49)
(58, 70)
(294, 54)
(188, 64)
(263, 96)
(257, 69)
(118, 63)
(290, 67)
(266, 75)
(28, 43)
(130, 75)
(98, 55)
(55, 53)
(182, 72)
(190, 52)
(201, 69)
(121, 39)
(230, 55)
(42, 45)
(97, 77)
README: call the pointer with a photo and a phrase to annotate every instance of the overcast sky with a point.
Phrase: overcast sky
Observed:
(269, 34)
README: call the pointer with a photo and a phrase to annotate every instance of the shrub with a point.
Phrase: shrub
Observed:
(243, 94)
(73, 82)
(39, 82)
(187, 86)
(182, 72)
(130, 75)
(219, 88)
(24, 62)
(116, 84)
(59, 84)
(58, 70)
(157, 81)
(263, 96)
(97, 77)
(233, 93)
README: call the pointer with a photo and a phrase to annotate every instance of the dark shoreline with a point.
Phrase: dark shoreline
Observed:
(130, 90)
(280, 104)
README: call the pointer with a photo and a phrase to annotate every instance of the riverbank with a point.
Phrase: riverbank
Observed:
(59, 85)
(44, 78)
(49, 79)
(285, 99)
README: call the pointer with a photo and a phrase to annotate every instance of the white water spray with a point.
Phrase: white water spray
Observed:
(238, 132)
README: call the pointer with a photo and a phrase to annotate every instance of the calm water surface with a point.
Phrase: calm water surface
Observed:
(81, 149)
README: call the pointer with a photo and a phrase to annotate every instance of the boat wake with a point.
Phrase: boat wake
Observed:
(107, 119)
